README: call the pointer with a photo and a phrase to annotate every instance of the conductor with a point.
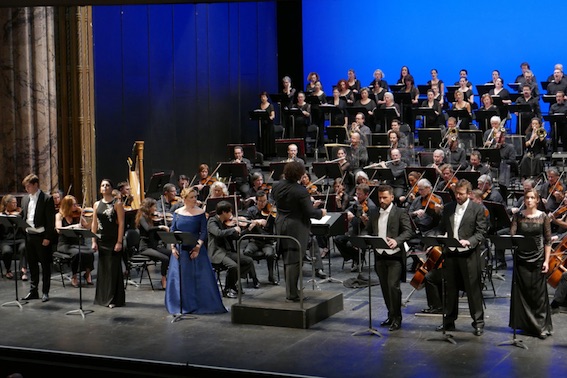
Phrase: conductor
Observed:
(294, 211)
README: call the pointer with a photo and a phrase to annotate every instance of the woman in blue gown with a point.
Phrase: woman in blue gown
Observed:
(190, 267)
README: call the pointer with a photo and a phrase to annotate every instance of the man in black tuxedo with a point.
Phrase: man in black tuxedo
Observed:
(38, 210)
(393, 224)
(465, 221)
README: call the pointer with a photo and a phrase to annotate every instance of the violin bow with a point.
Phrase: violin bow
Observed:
(554, 186)
(163, 210)
(452, 177)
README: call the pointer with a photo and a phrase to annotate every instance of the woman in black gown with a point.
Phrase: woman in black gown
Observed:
(531, 164)
(109, 223)
(529, 310)
(267, 134)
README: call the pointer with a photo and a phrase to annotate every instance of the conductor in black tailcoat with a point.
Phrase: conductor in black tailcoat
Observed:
(294, 211)
(464, 220)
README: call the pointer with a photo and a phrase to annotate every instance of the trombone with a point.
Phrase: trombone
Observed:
(450, 136)
(541, 134)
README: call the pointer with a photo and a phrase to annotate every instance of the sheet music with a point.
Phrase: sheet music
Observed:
(323, 220)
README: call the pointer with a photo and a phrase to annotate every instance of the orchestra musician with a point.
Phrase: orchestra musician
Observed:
(294, 211)
(489, 193)
(358, 154)
(406, 136)
(448, 180)
(218, 189)
(396, 144)
(150, 243)
(69, 215)
(346, 174)
(341, 196)
(262, 216)
(359, 126)
(257, 179)
(57, 196)
(392, 224)
(312, 188)
(292, 151)
(127, 200)
(438, 160)
(204, 182)
(456, 155)
(463, 220)
(9, 207)
(431, 102)
(491, 136)
(169, 201)
(535, 149)
(552, 192)
(529, 310)
(221, 249)
(242, 184)
(388, 104)
(475, 164)
(182, 183)
(38, 210)
(408, 198)
(462, 104)
(398, 168)
(369, 104)
(357, 215)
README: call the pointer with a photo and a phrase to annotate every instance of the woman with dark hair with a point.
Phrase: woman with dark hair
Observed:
(293, 219)
(71, 214)
(312, 78)
(407, 112)
(369, 104)
(436, 81)
(503, 95)
(266, 135)
(529, 309)
(108, 221)
(433, 120)
(535, 148)
(353, 83)
(339, 115)
(404, 71)
(9, 207)
(150, 242)
(345, 92)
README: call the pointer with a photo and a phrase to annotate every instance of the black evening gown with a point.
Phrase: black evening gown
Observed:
(110, 279)
(529, 310)
(267, 135)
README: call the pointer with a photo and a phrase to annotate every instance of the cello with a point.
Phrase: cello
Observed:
(434, 260)
(557, 261)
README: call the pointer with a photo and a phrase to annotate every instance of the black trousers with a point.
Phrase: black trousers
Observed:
(38, 254)
(389, 271)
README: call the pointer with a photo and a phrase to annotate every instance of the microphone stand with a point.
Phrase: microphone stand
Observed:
(14, 222)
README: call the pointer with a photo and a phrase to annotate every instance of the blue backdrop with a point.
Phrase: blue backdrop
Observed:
(447, 35)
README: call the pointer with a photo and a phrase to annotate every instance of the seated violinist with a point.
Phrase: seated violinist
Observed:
(257, 180)
(448, 180)
(218, 189)
(182, 183)
(413, 178)
(311, 187)
(262, 217)
(357, 215)
(71, 215)
(425, 210)
(169, 201)
(204, 182)
(10, 243)
(552, 192)
(489, 193)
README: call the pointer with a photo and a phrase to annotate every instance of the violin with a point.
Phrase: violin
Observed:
(207, 180)
(80, 212)
(485, 194)
(431, 201)
(232, 222)
(268, 210)
(364, 206)
(266, 187)
(560, 211)
(312, 188)
(158, 217)
(14, 212)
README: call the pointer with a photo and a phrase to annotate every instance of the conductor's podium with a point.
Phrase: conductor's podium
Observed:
(271, 309)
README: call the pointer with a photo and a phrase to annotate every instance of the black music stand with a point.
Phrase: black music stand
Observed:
(483, 118)
(423, 88)
(155, 187)
(515, 243)
(472, 136)
(384, 116)
(331, 149)
(181, 239)
(259, 115)
(337, 134)
(354, 110)
(549, 99)
(383, 175)
(379, 139)
(293, 113)
(329, 109)
(211, 203)
(459, 114)
(470, 176)
(233, 170)
(369, 243)
(429, 138)
(514, 86)
(280, 98)
(443, 242)
(499, 220)
(519, 108)
(544, 85)
(277, 169)
(491, 156)
(15, 223)
(330, 201)
(377, 154)
(484, 88)
(81, 234)
(425, 112)
(556, 119)
(327, 169)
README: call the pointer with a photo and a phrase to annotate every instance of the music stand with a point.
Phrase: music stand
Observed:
(499, 220)
(155, 187)
(15, 222)
(211, 203)
(233, 170)
(337, 134)
(485, 88)
(443, 242)
(520, 109)
(425, 112)
(259, 115)
(483, 118)
(472, 136)
(383, 175)
(369, 243)
(377, 154)
(330, 201)
(379, 139)
(327, 169)
(384, 116)
(515, 243)
(549, 99)
(354, 110)
(81, 234)
(292, 113)
(181, 239)
(432, 136)
(470, 176)
(277, 169)
(423, 88)
(491, 156)
(514, 86)
(331, 149)
(459, 114)
(555, 119)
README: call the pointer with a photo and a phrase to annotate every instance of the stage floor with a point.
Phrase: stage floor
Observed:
(144, 331)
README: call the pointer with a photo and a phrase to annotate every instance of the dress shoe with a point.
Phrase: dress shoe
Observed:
(319, 273)
(354, 268)
(447, 327)
(45, 297)
(31, 295)
(478, 331)
(387, 322)
(307, 259)
(432, 310)
(396, 325)
(256, 283)
(230, 293)
(273, 281)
